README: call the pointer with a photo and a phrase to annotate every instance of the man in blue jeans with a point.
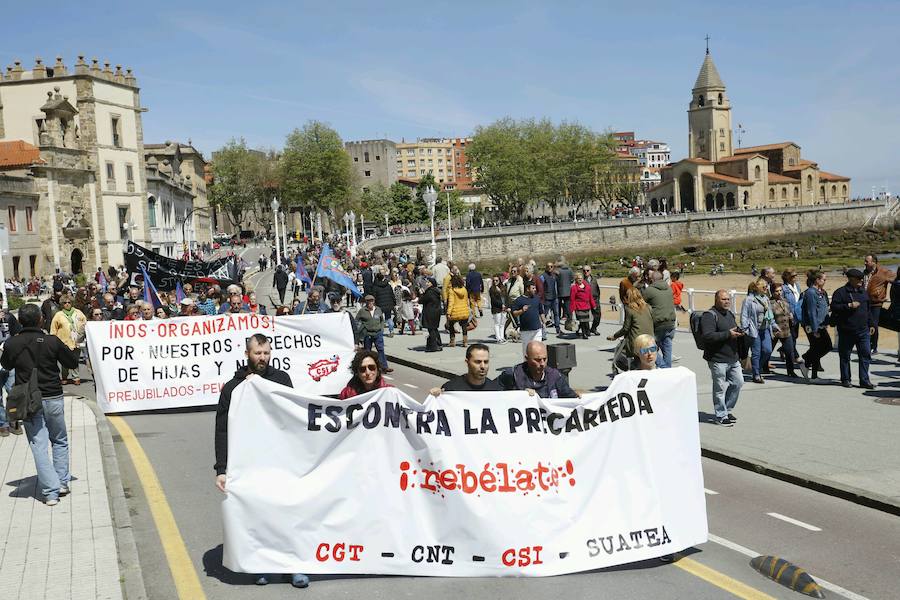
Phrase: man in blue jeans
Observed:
(370, 320)
(33, 350)
(719, 336)
(662, 309)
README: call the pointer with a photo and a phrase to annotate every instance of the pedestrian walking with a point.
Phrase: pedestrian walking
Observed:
(550, 279)
(385, 300)
(638, 321)
(33, 353)
(757, 321)
(529, 311)
(581, 301)
(499, 306)
(431, 315)
(662, 308)
(781, 330)
(566, 279)
(370, 320)
(475, 286)
(719, 335)
(814, 311)
(459, 309)
(853, 319)
(877, 281)
(280, 281)
(593, 282)
(68, 325)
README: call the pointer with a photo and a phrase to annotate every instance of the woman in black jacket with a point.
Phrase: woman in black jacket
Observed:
(499, 304)
(431, 315)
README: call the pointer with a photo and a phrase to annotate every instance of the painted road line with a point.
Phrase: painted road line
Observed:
(720, 580)
(409, 385)
(793, 521)
(753, 554)
(187, 584)
(388, 377)
(710, 492)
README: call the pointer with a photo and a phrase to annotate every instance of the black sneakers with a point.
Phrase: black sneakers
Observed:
(724, 422)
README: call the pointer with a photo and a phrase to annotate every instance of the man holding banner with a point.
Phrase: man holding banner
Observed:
(259, 353)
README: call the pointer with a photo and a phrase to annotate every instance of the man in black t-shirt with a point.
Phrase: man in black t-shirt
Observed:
(478, 361)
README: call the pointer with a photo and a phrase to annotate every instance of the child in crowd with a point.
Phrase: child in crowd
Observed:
(677, 287)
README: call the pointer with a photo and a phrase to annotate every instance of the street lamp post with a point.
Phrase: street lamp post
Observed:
(430, 197)
(387, 225)
(449, 231)
(353, 233)
(275, 220)
(347, 227)
(284, 235)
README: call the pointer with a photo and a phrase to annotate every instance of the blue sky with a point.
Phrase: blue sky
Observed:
(823, 74)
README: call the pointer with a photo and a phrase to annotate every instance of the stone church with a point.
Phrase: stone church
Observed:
(717, 176)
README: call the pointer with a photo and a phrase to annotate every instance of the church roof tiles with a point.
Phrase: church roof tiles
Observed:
(709, 75)
(17, 154)
(763, 148)
(825, 176)
(740, 157)
(778, 178)
(727, 179)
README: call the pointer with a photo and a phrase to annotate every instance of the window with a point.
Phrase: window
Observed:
(123, 222)
(422, 172)
(116, 129)
(422, 151)
(791, 162)
(429, 151)
(822, 192)
(809, 182)
(720, 98)
(410, 163)
(129, 173)
(701, 100)
(11, 222)
(844, 191)
(29, 221)
(152, 210)
(377, 157)
(721, 132)
(368, 173)
(771, 193)
(366, 156)
(784, 193)
(410, 152)
(834, 190)
(721, 146)
(355, 159)
(440, 161)
(16, 266)
(796, 192)
(430, 162)
(32, 261)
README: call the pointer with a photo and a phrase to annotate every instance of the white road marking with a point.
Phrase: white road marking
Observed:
(753, 554)
(793, 521)
(388, 377)
(409, 385)
(710, 492)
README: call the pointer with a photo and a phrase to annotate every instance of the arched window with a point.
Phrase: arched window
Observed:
(720, 97)
(791, 162)
(844, 191)
(796, 192)
(822, 192)
(152, 202)
(809, 182)
(746, 198)
(833, 190)
(701, 100)
(771, 193)
(756, 172)
(784, 193)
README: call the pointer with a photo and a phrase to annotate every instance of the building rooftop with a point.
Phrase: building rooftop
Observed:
(825, 176)
(17, 154)
(727, 179)
(763, 148)
(740, 157)
(709, 75)
(778, 178)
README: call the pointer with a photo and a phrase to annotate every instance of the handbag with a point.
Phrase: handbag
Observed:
(24, 399)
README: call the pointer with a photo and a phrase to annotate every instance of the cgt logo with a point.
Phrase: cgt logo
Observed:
(324, 367)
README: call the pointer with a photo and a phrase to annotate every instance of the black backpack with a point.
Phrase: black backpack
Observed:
(696, 316)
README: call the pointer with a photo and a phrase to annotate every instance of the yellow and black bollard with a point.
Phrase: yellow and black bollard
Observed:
(787, 574)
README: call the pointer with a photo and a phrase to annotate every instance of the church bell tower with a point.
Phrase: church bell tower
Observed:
(709, 115)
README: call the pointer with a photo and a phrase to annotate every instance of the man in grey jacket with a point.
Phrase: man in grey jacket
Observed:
(662, 308)
(566, 278)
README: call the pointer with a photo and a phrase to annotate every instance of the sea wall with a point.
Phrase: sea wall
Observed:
(630, 235)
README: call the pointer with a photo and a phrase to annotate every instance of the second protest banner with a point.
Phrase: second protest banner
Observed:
(185, 361)
(465, 484)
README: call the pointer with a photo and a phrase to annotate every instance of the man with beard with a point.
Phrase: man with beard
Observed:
(259, 353)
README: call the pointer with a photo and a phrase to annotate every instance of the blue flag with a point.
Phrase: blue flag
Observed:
(301, 273)
(179, 291)
(330, 268)
(151, 296)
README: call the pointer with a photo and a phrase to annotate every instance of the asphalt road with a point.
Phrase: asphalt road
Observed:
(844, 544)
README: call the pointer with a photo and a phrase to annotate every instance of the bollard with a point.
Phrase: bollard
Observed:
(787, 574)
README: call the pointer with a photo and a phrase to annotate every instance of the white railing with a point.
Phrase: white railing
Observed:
(696, 300)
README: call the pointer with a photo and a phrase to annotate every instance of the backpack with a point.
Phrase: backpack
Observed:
(696, 317)
(24, 400)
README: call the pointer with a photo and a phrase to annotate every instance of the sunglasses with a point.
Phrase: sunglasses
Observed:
(648, 350)
(364, 368)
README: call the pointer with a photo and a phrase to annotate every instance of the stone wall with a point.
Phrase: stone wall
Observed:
(631, 235)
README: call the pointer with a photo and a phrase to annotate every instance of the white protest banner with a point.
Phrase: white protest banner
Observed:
(466, 484)
(185, 361)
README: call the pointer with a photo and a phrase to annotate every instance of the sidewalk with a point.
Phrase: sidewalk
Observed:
(67, 551)
(842, 441)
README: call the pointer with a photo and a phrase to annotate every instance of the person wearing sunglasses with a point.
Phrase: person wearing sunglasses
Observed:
(367, 375)
(645, 351)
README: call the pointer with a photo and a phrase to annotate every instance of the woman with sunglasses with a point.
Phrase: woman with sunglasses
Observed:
(645, 350)
(367, 375)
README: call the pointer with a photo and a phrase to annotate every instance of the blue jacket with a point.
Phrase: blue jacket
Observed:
(795, 303)
(857, 319)
(753, 314)
(474, 282)
(814, 309)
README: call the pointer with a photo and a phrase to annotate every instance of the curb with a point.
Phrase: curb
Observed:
(824, 486)
(132, 578)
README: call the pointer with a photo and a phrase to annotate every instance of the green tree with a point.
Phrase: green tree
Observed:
(316, 172)
(404, 208)
(240, 181)
(503, 163)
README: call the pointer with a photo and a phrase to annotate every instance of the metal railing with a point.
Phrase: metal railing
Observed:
(696, 300)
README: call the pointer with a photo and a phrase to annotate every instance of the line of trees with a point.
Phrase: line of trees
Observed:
(519, 164)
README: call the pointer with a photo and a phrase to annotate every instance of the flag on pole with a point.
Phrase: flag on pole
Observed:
(150, 294)
(301, 273)
(179, 291)
(330, 268)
